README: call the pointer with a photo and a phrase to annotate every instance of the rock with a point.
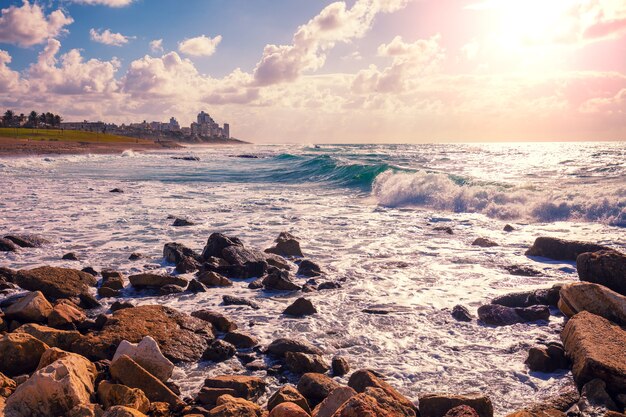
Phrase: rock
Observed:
(55, 282)
(180, 222)
(286, 245)
(121, 411)
(196, 286)
(363, 379)
(70, 256)
(27, 241)
(230, 300)
(309, 268)
(437, 405)
(523, 271)
(7, 386)
(373, 403)
(462, 411)
(112, 279)
(219, 351)
(328, 286)
(20, 353)
(279, 280)
(247, 387)
(241, 340)
(238, 255)
(594, 400)
(54, 390)
(7, 246)
(181, 338)
(217, 319)
(120, 305)
(213, 279)
(171, 289)
(508, 228)
(8, 274)
(110, 394)
(546, 359)
(334, 401)
(147, 354)
(131, 374)
(176, 252)
(340, 366)
(484, 243)
(562, 250)
(280, 347)
(208, 396)
(116, 190)
(106, 292)
(216, 243)
(187, 265)
(302, 363)
(606, 268)
(594, 298)
(277, 261)
(229, 406)
(288, 394)
(62, 339)
(315, 387)
(288, 410)
(33, 307)
(257, 284)
(135, 256)
(498, 315)
(88, 301)
(547, 297)
(300, 308)
(461, 313)
(64, 315)
(155, 280)
(596, 349)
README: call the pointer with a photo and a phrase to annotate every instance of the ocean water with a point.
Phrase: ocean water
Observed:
(367, 214)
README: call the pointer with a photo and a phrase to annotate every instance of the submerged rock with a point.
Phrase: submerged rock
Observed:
(309, 268)
(70, 256)
(286, 245)
(55, 282)
(7, 246)
(340, 366)
(230, 300)
(594, 298)
(498, 315)
(562, 250)
(180, 222)
(300, 308)
(27, 241)
(461, 313)
(546, 297)
(484, 242)
(523, 271)
(606, 268)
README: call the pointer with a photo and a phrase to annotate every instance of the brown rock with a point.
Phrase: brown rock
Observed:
(499, 315)
(217, 319)
(288, 410)
(550, 412)
(241, 340)
(55, 282)
(594, 298)
(279, 280)
(112, 279)
(20, 353)
(216, 243)
(148, 280)
(219, 351)
(27, 241)
(362, 379)
(484, 242)
(546, 359)
(110, 394)
(7, 246)
(208, 396)
(229, 406)
(213, 279)
(64, 314)
(606, 268)
(33, 307)
(301, 307)
(7, 385)
(334, 401)
(121, 411)
(562, 250)
(106, 292)
(288, 394)
(63, 339)
(462, 411)
(315, 387)
(301, 363)
(364, 405)
(286, 245)
(248, 387)
(437, 405)
(340, 366)
(283, 345)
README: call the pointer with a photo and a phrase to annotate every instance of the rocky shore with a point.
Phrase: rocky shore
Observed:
(63, 354)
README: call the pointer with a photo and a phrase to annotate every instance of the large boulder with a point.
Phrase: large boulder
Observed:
(607, 268)
(363, 379)
(54, 390)
(498, 315)
(594, 298)
(288, 394)
(561, 250)
(229, 406)
(437, 405)
(110, 394)
(279, 280)
(147, 354)
(27, 241)
(150, 280)
(280, 347)
(56, 282)
(65, 314)
(596, 348)
(373, 403)
(302, 363)
(212, 279)
(545, 296)
(286, 245)
(122, 411)
(63, 339)
(33, 307)
(20, 353)
(333, 402)
(288, 410)
(240, 386)
(315, 387)
(301, 307)
(7, 246)
(216, 243)
(217, 319)
(177, 252)
(181, 338)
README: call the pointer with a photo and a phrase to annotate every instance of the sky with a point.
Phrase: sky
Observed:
(307, 71)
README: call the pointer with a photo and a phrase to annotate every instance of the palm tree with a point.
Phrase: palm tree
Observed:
(7, 119)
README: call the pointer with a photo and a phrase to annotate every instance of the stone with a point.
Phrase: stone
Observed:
(219, 351)
(309, 268)
(546, 297)
(20, 353)
(230, 300)
(522, 271)
(33, 307)
(196, 286)
(241, 340)
(461, 313)
(63, 339)
(594, 400)
(147, 354)
(365, 405)
(229, 406)
(286, 245)
(596, 348)
(462, 411)
(188, 264)
(333, 402)
(56, 282)
(181, 338)
(208, 396)
(498, 315)
(315, 387)
(121, 411)
(247, 387)
(176, 252)
(561, 250)
(277, 261)
(302, 363)
(116, 190)
(180, 222)
(216, 243)
(131, 374)
(508, 228)
(110, 394)
(280, 347)
(606, 268)
(363, 379)
(7, 385)
(300, 308)
(54, 390)
(88, 301)
(135, 256)
(217, 319)
(288, 410)
(328, 286)
(70, 256)
(279, 280)
(64, 315)
(148, 280)
(112, 279)
(171, 289)
(106, 292)
(213, 279)
(437, 405)
(484, 242)
(594, 298)
(27, 241)
(546, 359)
(7, 246)
(340, 366)
(288, 394)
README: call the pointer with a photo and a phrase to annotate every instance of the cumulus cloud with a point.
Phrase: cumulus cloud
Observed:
(107, 37)
(28, 25)
(9, 80)
(156, 45)
(110, 3)
(199, 46)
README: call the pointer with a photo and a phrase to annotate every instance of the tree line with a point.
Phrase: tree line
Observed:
(33, 120)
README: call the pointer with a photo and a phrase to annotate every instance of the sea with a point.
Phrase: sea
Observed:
(368, 214)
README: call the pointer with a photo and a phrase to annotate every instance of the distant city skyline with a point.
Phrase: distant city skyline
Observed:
(323, 71)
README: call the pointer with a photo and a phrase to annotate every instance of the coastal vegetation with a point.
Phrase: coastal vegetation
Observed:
(63, 135)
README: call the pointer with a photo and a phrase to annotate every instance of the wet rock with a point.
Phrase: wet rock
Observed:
(363, 379)
(606, 268)
(8, 274)
(546, 359)
(309, 268)
(374, 402)
(106, 292)
(328, 286)
(596, 349)
(121, 411)
(33, 307)
(70, 256)
(562, 250)
(66, 315)
(462, 411)
(594, 298)
(213, 279)
(110, 394)
(241, 340)
(175, 252)
(315, 387)
(196, 286)
(112, 279)
(219, 351)
(340, 366)
(63, 339)
(279, 280)
(180, 222)
(171, 289)
(216, 243)
(498, 315)
(238, 255)
(445, 229)
(594, 400)
(27, 241)
(187, 265)
(7, 246)
(484, 243)
(333, 402)
(7, 386)
(55, 282)
(546, 297)
(135, 256)
(288, 394)
(437, 405)
(302, 363)
(88, 301)
(229, 406)
(120, 305)
(217, 319)
(247, 387)
(277, 261)
(148, 355)
(286, 245)
(149, 280)
(288, 410)
(230, 300)
(257, 284)
(508, 228)
(300, 308)
(280, 347)
(461, 313)
(116, 190)
(131, 374)
(20, 353)
(523, 271)
(90, 271)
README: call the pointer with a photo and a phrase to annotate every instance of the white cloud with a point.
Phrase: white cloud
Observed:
(9, 80)
(156, 45)
(108, 38)
(199, 46)
(28, 25)
(109, 3)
